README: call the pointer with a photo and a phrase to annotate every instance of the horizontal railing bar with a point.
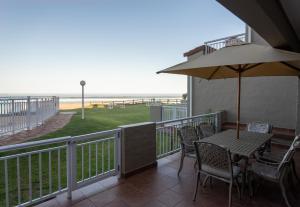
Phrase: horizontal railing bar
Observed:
(32, 152)
(224, 38)
(57, 140)
(187, 118)
(94, 135)
(34, 144)
(96, 141)
(177, 107)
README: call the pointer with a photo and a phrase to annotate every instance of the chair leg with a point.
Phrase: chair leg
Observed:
(195, 164)
(205, 181)
(250, 180)
(294, 171)
(210, 182)
(230, 194)
(197, 185)
(283, 191)
(238, 188)
(181, 163)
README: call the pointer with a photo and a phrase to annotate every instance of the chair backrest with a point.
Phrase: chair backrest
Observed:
(296, 142)
(188, 136)
(290, 153)
(214, 156)
(205, 130)
(260, 127)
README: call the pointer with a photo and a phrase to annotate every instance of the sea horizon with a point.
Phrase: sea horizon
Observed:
(97, 95)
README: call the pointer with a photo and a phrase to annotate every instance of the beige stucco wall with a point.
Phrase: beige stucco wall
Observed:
(271, 99)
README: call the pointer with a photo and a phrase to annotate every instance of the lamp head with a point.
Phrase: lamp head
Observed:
(82, 83)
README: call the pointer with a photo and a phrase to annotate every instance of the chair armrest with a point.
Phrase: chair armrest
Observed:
(274, 164)
(188, 145)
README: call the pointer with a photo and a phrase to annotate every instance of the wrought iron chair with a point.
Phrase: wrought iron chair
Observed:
(205, 130)
(274, 172)
(276, 157)
(188, 136)
(215, 161)
(261, 127)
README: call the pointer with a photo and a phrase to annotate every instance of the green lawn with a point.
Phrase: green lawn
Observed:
(96, 120)
(102, 119)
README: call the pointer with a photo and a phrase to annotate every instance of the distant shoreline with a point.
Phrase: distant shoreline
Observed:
(71, 95)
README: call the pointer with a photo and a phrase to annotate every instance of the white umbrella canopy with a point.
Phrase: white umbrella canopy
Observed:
(246, 60)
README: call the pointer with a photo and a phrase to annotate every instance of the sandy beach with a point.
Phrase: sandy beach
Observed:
(68, 106)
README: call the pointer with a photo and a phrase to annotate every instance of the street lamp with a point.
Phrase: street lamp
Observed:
(82, 83)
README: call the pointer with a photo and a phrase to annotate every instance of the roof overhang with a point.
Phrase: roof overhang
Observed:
(277, 21)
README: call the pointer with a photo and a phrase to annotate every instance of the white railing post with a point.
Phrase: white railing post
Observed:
(174, 112)
(118, 153)
(28, 115)
(218, 121)
(37, 112)
(13, 115)
(71, 167)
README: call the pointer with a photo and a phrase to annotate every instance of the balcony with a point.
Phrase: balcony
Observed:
(160, 187)
(85, 170)
(213, 45)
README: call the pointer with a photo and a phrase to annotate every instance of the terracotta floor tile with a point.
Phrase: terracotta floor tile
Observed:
(117, 203)
(84, 203)
(154, 203)
(103, 198)
(49, 203)
(170, 198)
(63, 201)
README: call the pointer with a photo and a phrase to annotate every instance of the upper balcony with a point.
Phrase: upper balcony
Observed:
(213, 45)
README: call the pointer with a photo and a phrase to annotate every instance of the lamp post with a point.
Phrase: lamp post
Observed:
(82, 83)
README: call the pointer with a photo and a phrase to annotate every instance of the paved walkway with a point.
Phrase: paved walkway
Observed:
(51, 125)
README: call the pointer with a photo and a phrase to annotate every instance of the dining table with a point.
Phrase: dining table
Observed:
(245, 147)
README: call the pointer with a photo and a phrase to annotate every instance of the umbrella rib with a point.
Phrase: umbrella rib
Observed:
(290, 66)
(213, 73)
(232, 68)
(252, 66)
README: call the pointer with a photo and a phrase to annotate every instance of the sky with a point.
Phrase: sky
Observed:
(116, 46)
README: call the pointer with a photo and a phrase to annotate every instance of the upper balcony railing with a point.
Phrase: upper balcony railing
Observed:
(213, 45)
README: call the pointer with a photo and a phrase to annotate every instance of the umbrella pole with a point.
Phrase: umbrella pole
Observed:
(238, 107)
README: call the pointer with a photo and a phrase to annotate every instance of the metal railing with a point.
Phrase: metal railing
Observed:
(23, 113)
(167, 140)
(213, 45)
(35, 171)
(171, 112)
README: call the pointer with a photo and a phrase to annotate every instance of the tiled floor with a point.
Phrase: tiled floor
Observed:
(160, 187)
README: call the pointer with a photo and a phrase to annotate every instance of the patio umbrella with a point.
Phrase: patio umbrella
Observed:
(246, 60)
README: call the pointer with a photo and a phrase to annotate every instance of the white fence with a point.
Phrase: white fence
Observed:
(171, 112)
(35, 171)
(167, 141)
(23, 113)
